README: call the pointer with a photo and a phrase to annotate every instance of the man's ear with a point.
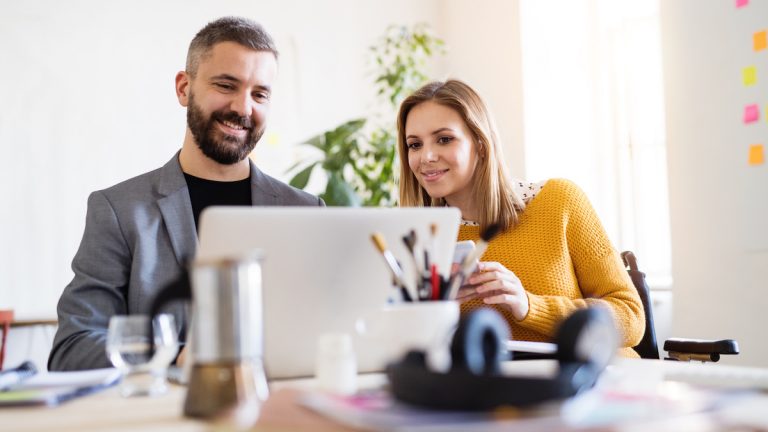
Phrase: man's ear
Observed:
(182, 88)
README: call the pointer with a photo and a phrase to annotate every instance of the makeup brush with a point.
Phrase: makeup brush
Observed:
(470, 261)
(410, 241)
(433, 243)
(394, 267)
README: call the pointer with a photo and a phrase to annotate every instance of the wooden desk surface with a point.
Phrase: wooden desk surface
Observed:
(108, 411)
(34, 322)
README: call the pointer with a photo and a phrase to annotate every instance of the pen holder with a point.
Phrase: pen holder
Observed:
(387, 333)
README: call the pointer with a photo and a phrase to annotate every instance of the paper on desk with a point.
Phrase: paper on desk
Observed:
(88, 378)
(377, 410)
(52, 388)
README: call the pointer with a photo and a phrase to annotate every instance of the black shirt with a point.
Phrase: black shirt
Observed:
(204, 193)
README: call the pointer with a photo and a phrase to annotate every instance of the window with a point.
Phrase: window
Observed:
(594, 113)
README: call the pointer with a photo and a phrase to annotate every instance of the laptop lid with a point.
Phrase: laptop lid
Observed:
(321, 272)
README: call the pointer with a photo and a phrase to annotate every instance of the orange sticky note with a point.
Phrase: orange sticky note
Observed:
(751, 113)
(749, 74)
(756, 154)
(760, 40)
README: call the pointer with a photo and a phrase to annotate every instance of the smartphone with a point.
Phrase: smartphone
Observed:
(463, 248)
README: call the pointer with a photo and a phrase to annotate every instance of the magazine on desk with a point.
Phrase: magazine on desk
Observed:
(53, 388)
(376, 410)
(604, 406)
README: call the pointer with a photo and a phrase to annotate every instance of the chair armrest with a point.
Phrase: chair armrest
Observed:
(699, 349)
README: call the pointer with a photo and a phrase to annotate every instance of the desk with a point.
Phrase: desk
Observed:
(107, 411)
(30, 322)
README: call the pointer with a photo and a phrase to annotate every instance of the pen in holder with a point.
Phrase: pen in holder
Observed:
(427, 284)
(394, 266)
(433, 286)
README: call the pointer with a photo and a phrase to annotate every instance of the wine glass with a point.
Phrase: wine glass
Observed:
(128, 348)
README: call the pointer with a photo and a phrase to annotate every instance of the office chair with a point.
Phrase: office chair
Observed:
(6, 316)
(677, 348)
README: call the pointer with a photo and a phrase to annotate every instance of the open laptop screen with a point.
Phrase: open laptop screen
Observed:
(321, 272)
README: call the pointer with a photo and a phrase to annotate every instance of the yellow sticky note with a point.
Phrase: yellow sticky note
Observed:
(273, 139)
(756, 154)
(760, 40)
(750, 75)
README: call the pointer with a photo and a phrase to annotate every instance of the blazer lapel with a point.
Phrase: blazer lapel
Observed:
(262, 192)
(176, 208)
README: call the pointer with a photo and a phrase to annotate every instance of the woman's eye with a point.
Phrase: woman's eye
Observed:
(414, 146)
(444, 140)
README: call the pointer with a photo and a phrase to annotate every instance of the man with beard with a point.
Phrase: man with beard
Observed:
(140, 232)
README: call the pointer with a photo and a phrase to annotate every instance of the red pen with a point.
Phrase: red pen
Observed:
(435, 283)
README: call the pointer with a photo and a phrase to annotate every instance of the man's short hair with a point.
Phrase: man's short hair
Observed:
(228, 29)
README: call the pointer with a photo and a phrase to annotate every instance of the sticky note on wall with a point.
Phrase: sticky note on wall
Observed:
(749, 74)
(760, 40)
(751, 113)
(756, 154)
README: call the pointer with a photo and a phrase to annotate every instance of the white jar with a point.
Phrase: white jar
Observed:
(336, 366)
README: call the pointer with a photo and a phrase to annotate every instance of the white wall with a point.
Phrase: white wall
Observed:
(484, 41)
(718, 203)
(87, 100)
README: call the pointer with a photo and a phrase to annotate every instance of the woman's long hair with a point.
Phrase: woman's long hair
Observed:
(496, 200)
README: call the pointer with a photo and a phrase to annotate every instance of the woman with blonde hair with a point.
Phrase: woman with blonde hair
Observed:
(552, 256)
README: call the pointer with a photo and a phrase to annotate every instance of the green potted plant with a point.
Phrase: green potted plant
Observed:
(358, 156)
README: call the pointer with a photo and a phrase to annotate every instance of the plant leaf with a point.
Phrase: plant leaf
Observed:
(317, 141)
(301, 179)
(340, 193)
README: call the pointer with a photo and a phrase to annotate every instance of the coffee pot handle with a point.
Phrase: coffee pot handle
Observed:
(178, 289)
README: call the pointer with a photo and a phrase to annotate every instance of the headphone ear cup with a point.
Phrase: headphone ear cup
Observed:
(415, 358)
(478, 345)
(587, 336)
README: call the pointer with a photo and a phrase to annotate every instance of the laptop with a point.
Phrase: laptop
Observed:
(321, 272)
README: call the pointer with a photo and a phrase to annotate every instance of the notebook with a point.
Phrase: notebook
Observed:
(53, 388)
(321, 272)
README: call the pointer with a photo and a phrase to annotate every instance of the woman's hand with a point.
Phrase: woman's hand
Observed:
(495, 284)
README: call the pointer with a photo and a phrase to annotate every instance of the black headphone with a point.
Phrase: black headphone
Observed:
(586, 342)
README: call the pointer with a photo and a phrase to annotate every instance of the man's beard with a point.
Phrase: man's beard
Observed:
(226, 149)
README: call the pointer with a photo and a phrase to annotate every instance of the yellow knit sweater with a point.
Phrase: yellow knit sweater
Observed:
(564, 259)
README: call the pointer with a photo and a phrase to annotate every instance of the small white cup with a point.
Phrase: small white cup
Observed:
(336, 364)
(387, 334)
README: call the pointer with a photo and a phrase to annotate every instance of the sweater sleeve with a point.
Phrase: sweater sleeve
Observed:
(598, 269)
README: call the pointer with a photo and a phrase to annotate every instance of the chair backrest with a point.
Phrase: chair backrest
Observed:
(648, 348)
(6, 316)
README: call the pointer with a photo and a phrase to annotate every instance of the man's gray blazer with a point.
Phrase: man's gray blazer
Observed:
(138, 234)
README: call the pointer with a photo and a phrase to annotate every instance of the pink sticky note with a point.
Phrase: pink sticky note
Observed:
(751, 113)
(741, 3)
